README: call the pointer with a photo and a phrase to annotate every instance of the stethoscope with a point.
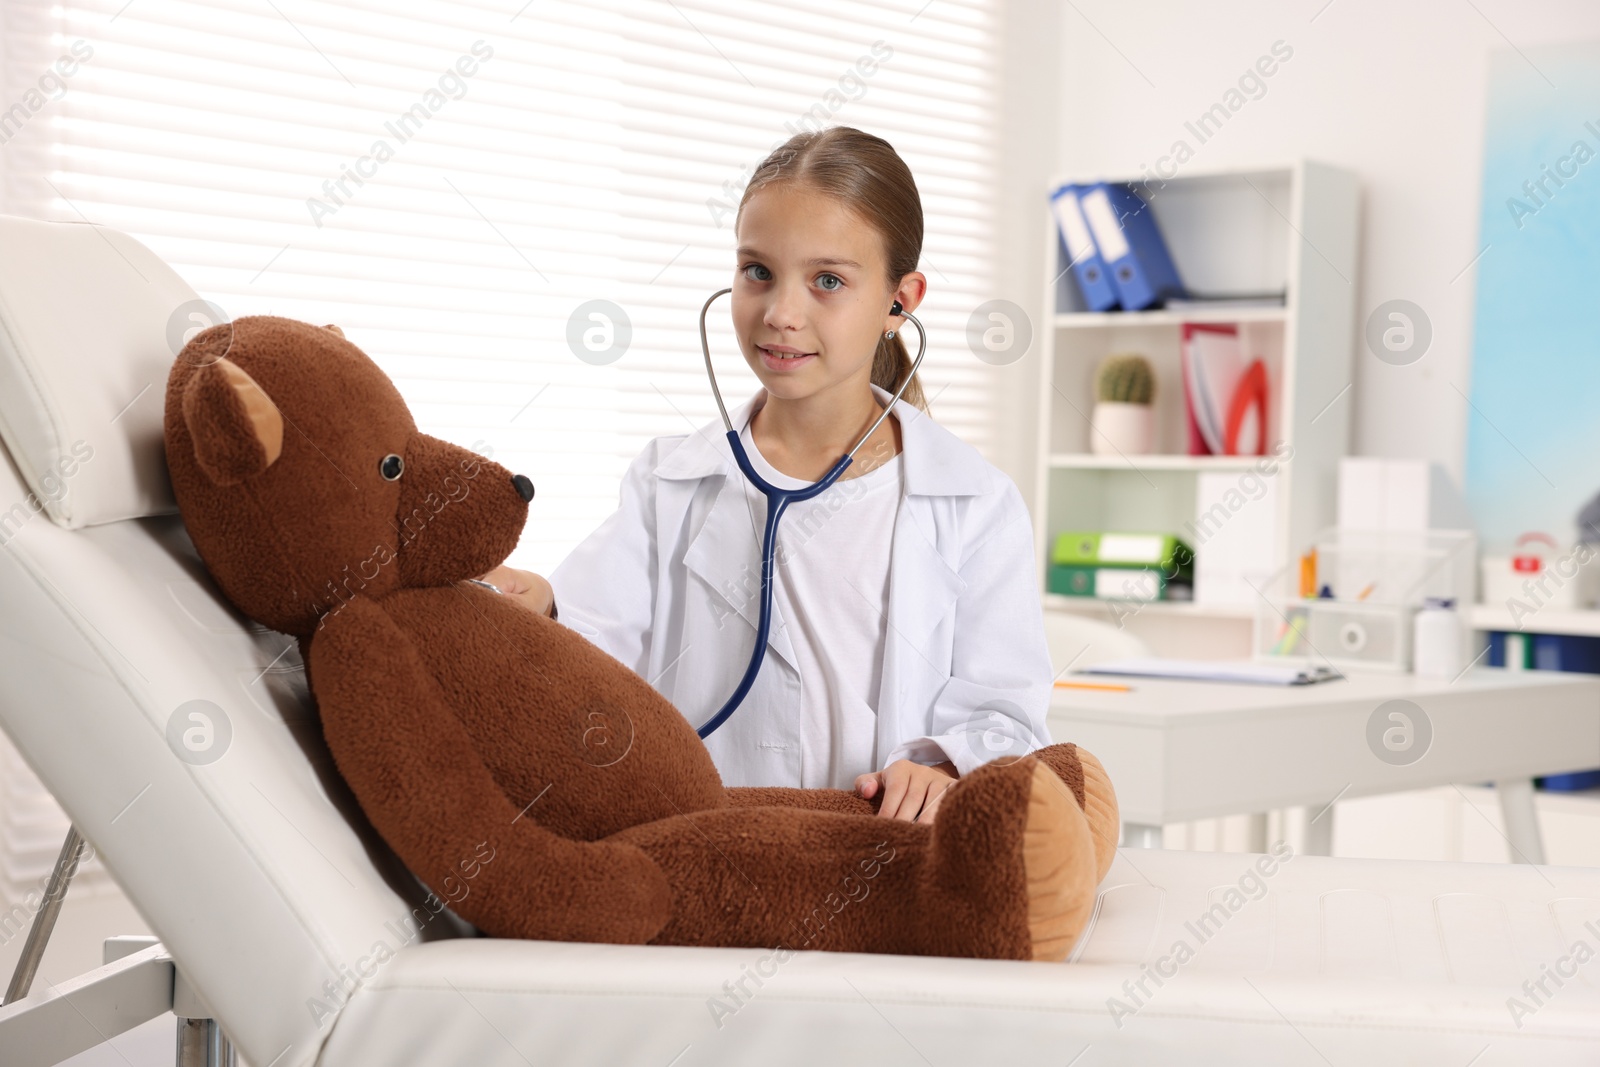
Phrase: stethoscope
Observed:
(779, 499)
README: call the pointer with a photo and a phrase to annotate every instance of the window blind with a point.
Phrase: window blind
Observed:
(450, 182)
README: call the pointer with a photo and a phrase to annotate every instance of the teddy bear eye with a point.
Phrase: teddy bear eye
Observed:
(391, 467)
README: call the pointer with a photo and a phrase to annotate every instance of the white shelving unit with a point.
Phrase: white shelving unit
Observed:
(1579, 622)
(1291, 228)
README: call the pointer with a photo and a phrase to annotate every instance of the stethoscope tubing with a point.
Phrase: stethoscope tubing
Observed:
(778, 500)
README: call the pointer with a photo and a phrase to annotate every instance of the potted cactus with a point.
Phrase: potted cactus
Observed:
(1123, 420)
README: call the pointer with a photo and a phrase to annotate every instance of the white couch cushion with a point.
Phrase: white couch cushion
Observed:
(1338, 961)
(90, 321)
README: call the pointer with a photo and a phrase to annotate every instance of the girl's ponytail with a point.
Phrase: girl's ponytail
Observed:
(890, 365)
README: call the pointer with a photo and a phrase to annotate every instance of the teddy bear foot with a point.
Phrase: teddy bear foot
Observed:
(1011, 824)
(1083, 774)
(1058, 861)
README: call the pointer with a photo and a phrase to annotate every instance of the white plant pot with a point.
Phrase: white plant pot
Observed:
(1116, 427)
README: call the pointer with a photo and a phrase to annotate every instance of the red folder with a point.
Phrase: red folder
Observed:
(1252, 391)
(1191, 380)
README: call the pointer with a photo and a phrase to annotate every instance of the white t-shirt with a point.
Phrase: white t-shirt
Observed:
(831, 592)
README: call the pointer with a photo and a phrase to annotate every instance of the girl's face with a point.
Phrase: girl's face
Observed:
(810, 299)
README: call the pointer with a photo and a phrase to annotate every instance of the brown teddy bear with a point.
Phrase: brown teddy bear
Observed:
(485, 740)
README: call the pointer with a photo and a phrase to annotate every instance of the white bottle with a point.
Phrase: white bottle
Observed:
(1437, 640)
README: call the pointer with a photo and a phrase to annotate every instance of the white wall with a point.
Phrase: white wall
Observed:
(1029, 91)
(1391, 89)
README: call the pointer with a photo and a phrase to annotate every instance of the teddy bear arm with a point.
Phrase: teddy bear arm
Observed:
(416, 774)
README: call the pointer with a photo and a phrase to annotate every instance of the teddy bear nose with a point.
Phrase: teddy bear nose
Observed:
(524, 487)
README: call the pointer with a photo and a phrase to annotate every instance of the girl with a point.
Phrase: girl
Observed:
(907, 642)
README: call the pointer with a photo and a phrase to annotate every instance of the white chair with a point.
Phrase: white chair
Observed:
(1077, 641)
(282, 918)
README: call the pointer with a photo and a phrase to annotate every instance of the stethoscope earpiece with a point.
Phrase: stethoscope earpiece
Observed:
(896, 309)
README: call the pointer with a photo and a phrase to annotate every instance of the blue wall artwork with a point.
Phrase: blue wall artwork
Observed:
(1533, 438)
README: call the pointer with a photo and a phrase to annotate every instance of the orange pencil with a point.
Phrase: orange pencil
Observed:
(1108, 687)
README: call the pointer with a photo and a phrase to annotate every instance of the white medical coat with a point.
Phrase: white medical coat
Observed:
(670, 585)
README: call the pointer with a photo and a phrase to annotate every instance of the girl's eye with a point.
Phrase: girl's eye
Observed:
(830, 282)
(757, 273)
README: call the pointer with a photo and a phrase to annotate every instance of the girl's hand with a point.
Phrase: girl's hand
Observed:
(911, 791)
(530, 590)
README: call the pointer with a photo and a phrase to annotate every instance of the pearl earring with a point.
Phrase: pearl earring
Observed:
(890, 335)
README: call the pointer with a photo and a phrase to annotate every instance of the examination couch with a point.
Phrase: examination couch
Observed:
(285, 921)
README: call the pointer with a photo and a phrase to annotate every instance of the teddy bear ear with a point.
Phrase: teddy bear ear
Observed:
(335, 329)
(236, 429)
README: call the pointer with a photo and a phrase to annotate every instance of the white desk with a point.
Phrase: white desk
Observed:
(1179, 750)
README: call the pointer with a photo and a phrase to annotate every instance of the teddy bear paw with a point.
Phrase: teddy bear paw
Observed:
(1086, 778)
(1058, 861)
(1013, 822)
